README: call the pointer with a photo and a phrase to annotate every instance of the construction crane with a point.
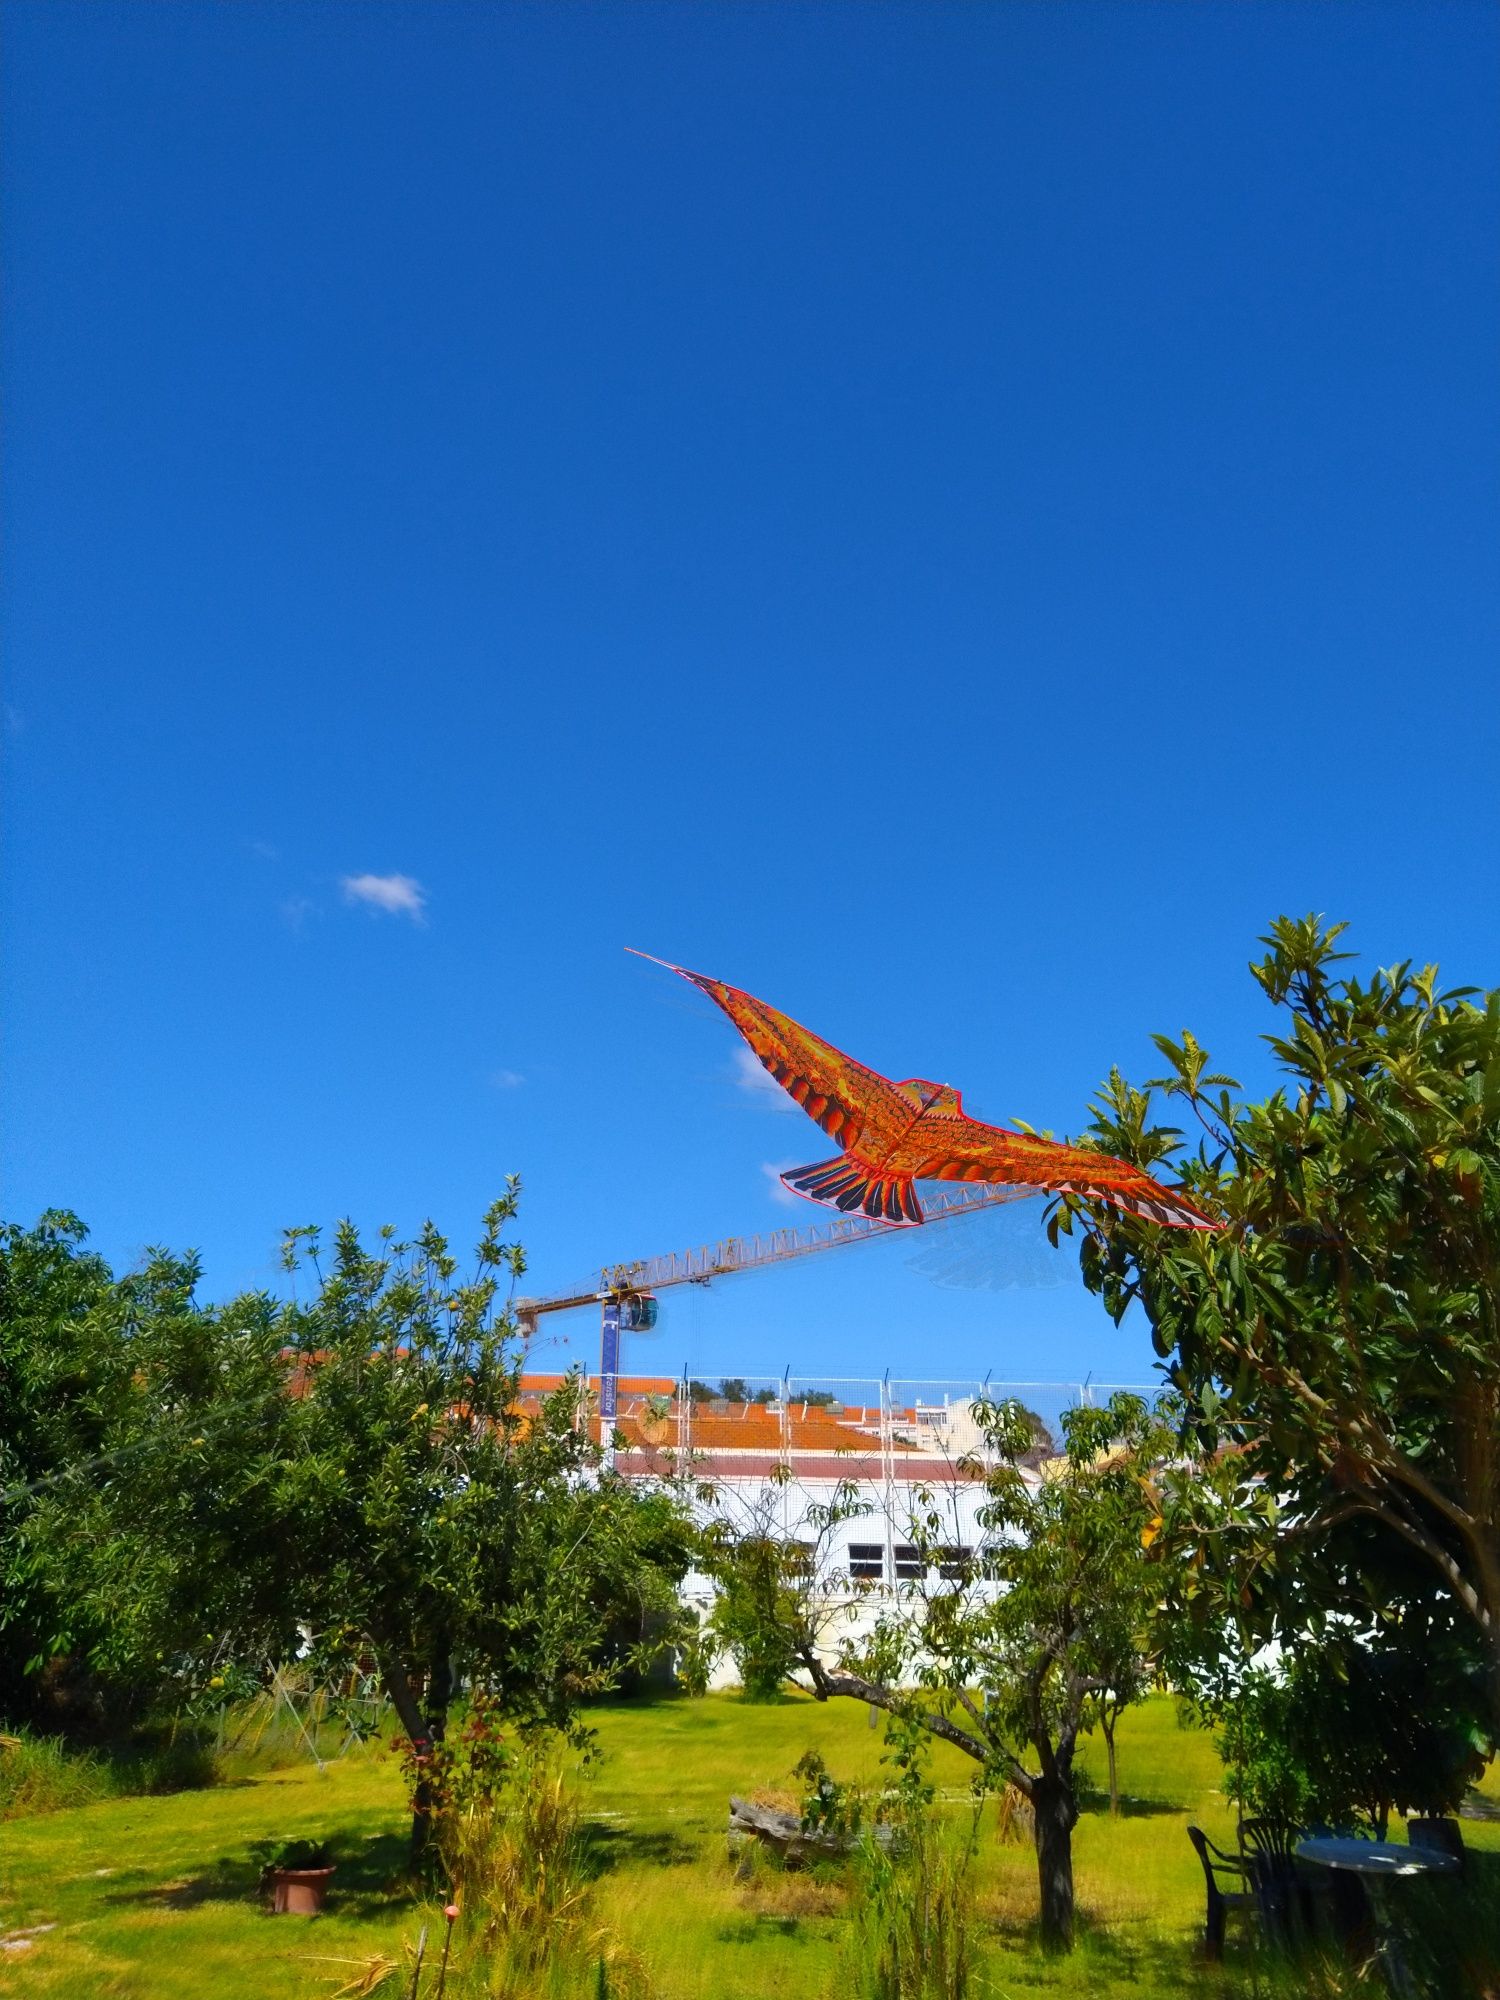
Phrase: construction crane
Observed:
(626, 1293)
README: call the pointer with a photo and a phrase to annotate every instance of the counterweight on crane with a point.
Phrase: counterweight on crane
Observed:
(626, 1293)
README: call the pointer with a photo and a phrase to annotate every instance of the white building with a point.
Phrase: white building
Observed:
(781, 1466)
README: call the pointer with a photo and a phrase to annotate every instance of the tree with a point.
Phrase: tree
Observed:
(765, 1576)
(357, 1464)
(1123, 1634)
(147, 1422)
(1347, 1731)
(734, 1389)
(1007, 1658)
(51, 1288)
(48, 1286)
(452, 1532)
(1337, 1343)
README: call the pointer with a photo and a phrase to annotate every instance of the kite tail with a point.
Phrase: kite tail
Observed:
(1168, 1207)
(843, 1183)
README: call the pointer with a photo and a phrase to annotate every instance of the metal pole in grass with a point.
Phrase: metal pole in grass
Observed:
(282, 1694)
(416, 1970)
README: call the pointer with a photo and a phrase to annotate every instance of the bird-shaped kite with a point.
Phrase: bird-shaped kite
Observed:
(894, 1134)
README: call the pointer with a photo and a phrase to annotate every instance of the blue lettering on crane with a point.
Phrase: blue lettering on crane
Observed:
(609, 1363)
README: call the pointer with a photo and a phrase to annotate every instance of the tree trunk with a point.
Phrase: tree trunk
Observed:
(398, 1690)
(1107, 1724)
(1055, 1815)
(435, 1726)
(425, 1724)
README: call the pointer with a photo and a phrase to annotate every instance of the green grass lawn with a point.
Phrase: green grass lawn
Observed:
(157, 1896)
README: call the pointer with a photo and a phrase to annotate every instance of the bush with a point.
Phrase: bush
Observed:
(295, 1854)
(39, 1775)
(42, 1774)
(509, 1838)
(913, 1917)
(697, 1649)
(1345, 1734)
(744, 1619)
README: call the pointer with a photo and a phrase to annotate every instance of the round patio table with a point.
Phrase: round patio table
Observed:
(1374, 1860)
(1373, 1863)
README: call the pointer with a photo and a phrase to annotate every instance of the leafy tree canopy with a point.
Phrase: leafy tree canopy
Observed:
(1346, 1732)
(1336, 1344)
(137, 1426)
(357, 1464)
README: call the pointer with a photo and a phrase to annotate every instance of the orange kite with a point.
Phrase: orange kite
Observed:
(894, 1134)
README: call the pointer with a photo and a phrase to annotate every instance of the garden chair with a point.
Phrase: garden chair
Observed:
(1270, 1850)
(1220, 1900)
(1438, 1836)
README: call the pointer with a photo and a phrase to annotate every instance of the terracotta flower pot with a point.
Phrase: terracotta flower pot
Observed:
(298, 1892)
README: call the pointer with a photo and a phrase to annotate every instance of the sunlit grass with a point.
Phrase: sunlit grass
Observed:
(155, 1898)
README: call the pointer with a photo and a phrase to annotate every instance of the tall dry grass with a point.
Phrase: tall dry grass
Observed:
(42, 1774)
(516, 1864)
(913, 1921)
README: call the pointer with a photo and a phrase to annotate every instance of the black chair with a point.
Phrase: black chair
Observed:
(1275, 1838)
(1270, 1850)
(1220, 1900)
(1437, 1836)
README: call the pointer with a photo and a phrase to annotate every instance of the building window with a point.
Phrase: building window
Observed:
(911, 1564)
(867, 1561)
(954, 1564)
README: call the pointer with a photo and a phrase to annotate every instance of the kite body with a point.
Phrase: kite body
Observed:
(895, 1134)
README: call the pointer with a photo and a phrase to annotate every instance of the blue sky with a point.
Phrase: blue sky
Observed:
(949, 517)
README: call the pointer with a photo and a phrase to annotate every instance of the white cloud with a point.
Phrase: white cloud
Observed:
(263, 850)
(780, 1192)
(507, 1079)
(295, 911)
(397, 895)
(759, 1082)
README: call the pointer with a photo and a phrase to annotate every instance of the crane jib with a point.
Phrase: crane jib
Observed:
(624, 1291)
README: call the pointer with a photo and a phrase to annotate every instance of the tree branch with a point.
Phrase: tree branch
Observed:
(828, 1686)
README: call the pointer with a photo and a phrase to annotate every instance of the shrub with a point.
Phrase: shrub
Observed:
(509, 1838)
(913, 1917)
(42, 1774)
(1346, 1734)
(755, 1585)
(828, 1806)
(299, 1854)
(697, 1649)
(38, 1775)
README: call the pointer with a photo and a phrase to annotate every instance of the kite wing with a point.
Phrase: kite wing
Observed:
(941, 1147)
(894, 1134)
(854, 1105)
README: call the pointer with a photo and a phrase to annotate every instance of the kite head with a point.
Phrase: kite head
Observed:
(927, 1096)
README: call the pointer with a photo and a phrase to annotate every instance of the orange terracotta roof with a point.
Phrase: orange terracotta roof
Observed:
(810, 1433)
(755, 1433)
(629, 1385)
(646, 1463)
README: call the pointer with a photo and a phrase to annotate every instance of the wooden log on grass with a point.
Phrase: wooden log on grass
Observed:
(785, 1834)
